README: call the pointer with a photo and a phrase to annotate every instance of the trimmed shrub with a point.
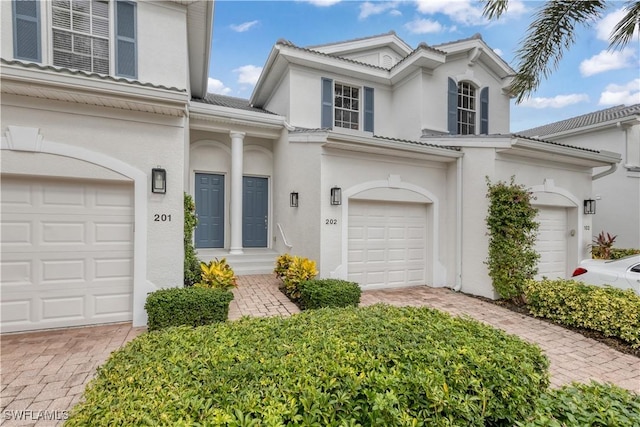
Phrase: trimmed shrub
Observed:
(614, 312)
(329, 293)
(587, 405)
(187, 306)
(373, 366)
(218, 274)
(623, 253)
(300, 270)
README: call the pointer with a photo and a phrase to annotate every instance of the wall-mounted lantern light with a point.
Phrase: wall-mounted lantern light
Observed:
(293, 199)
(158, 181)
(589, 207)
(336, 196)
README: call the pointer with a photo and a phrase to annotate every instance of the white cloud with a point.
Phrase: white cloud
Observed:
(621, 94)
(558, 101)
(248, 74)
(216, 86)
(462, 11)
(607, 61)
(423, 26)
(498, 51)
(369, 8)
(245, 26)
(605, 26)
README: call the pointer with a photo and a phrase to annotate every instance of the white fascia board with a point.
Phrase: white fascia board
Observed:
(499, 142)
(266, 83)
(249, 118)
(423, 59)
(199, 27)
(571, 155)
(390, 147)
(56, 81)
(488, 56)
(387, 40)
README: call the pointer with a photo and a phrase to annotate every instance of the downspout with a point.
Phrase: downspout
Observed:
(612, 169)
(458, 284)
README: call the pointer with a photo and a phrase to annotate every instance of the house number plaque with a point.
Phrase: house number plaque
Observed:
(331, 221)
(162, 218)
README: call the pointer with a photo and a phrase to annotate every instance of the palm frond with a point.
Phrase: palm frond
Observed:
(493, 9)
(625, 29)
(550, 34)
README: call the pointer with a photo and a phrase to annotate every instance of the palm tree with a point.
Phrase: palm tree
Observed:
(552, 32)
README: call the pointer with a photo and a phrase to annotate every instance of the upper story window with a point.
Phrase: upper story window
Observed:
(466, 109)
(346, 106)
(91, 35)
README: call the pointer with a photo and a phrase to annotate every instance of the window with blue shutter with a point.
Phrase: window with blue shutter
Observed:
(484, 111)
(126, 64)
(26, 30)
(327, 104)
(452, 107)
(368, 109)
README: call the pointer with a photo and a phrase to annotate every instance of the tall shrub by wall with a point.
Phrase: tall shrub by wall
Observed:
(191, 262)
(512, 226)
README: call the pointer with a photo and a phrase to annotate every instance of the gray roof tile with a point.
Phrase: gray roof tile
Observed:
(231, 102)
(601, 116)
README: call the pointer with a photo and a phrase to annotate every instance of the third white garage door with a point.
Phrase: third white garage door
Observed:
(67, 253)
(551, 243)
(387, 244)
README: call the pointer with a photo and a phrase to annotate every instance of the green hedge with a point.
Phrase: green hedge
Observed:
(586, 405)
(187, 306)
(373, 366)
(614, 312)
(329, 293)
(622, 253)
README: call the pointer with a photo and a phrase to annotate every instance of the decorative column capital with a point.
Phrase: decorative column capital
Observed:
(237, 135)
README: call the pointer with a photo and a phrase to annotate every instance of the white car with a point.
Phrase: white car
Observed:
(621, 273)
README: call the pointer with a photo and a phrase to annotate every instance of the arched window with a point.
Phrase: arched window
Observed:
(466, 109)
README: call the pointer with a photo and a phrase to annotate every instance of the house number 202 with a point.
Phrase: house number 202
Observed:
(161, 217)
(331, 221)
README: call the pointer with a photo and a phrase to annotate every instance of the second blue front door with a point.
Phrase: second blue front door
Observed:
(255, 207)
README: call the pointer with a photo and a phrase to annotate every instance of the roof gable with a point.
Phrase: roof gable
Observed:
(364, 45)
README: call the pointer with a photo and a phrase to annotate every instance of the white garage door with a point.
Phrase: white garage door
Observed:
(387, 244)
(67, 253)
(552, 242)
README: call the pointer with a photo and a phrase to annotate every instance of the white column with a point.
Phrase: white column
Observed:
(237, 142)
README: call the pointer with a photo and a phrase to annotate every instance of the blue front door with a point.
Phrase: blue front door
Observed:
(255, 205)
(209, 199)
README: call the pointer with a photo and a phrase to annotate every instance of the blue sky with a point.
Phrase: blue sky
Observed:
(589, 77)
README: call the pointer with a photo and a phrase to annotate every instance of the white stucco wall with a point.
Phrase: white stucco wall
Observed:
(617, 195)
(161, 41)
(135, 143)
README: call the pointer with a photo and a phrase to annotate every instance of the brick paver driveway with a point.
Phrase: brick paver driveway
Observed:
(44, 373)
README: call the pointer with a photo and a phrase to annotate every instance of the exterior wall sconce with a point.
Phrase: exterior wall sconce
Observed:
(336, 196)
(589, 207)
(293, 199)
(158, 181)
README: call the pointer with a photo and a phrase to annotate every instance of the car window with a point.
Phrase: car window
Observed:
(635, 268)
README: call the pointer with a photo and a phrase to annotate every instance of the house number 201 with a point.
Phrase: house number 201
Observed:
(331, 221)
(161, 217)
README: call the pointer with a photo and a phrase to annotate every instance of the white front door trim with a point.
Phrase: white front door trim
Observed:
(29, 139)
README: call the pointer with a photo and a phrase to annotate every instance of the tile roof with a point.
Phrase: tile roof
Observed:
(424, 144)
(73, 72)
(601, 116)
(231, 102)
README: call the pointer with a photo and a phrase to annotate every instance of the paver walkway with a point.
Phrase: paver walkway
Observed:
(44, 373)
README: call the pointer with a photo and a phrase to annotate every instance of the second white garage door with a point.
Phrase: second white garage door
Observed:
(67, 253)
(551, 243)
(387, 244)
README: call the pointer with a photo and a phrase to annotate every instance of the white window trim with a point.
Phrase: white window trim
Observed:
(360, 106)
(476, 110)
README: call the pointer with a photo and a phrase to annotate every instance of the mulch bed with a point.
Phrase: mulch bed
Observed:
(613, 342)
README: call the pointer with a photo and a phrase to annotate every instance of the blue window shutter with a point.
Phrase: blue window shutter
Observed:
(452, 107)
(484, 111)
(126, 49)
(26, 30)
(327, 103)
(368, 109)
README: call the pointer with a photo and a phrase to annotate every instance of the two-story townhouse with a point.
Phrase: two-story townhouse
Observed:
(617, 190)
(380, 172)
(94, 101)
